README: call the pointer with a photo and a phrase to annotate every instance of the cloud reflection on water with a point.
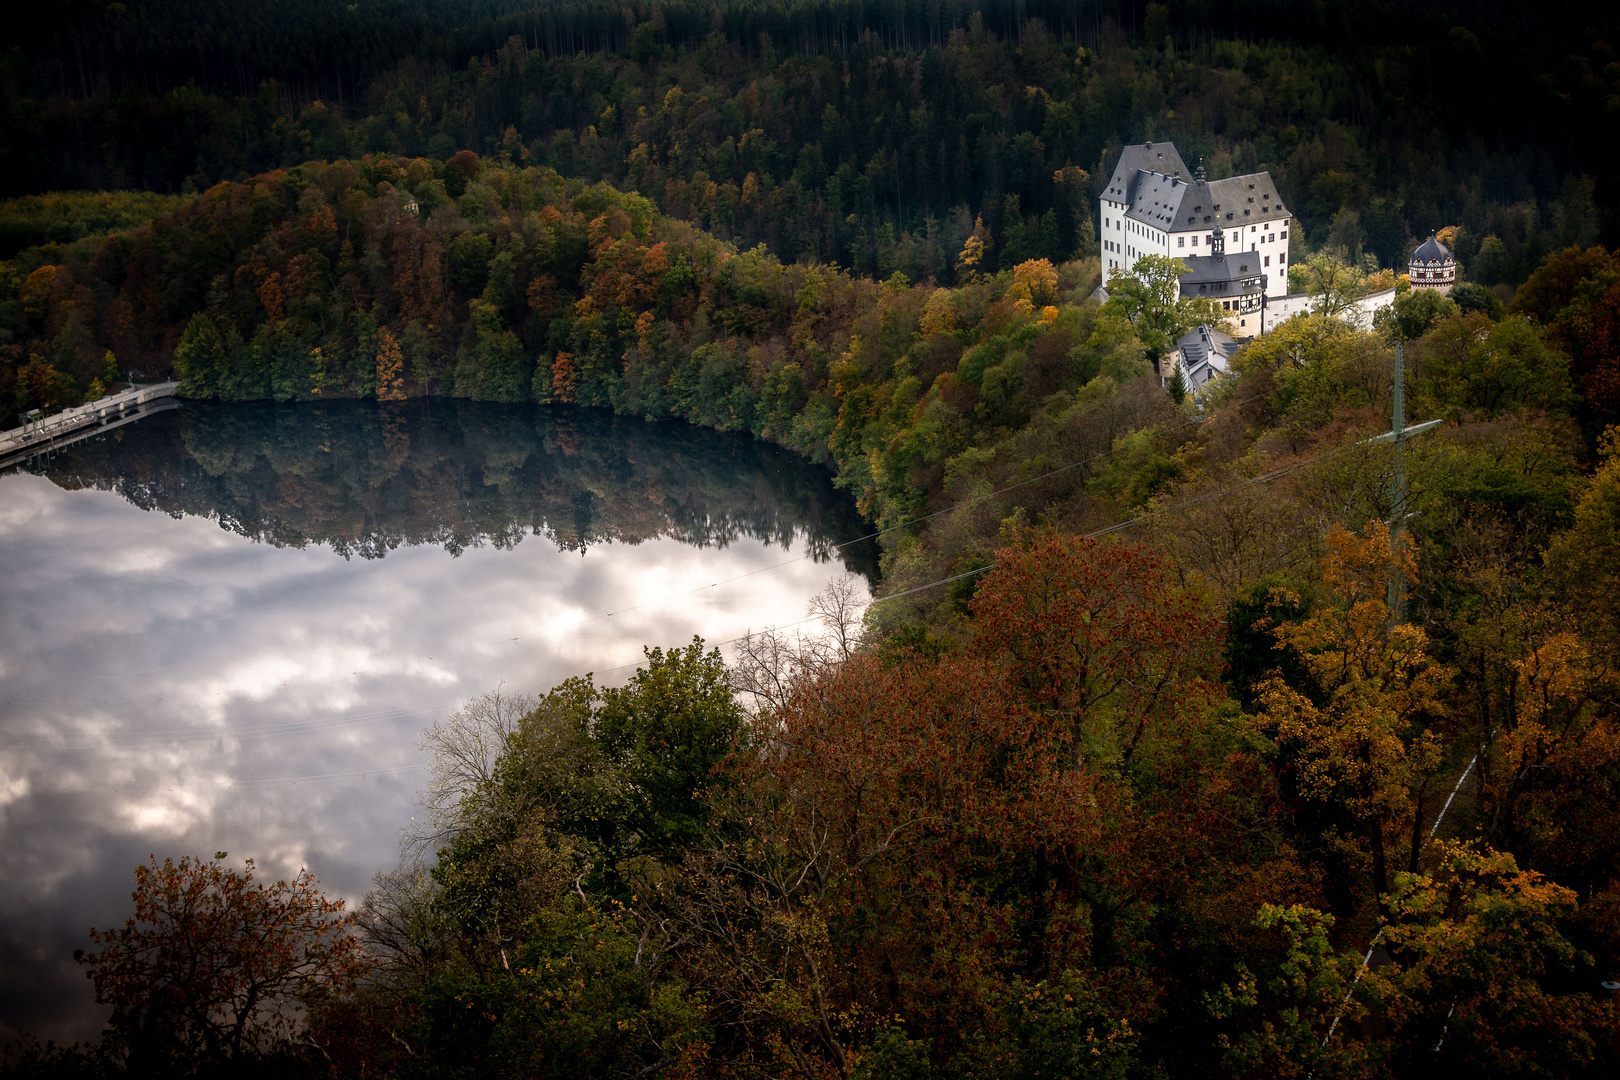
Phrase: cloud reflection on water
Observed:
(161, 678)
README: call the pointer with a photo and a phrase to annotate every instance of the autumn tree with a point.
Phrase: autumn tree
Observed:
(215, 966)
(971, 263)
(933, 851)
(1355, 741)
(1034, 284)
(1576, 295)
(1099, 637)
(390, 367)
(1335, 283)
(1485, 976)
(1148, 297)
(1472, 973)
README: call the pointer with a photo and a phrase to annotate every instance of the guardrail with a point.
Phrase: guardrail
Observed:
(47, 428)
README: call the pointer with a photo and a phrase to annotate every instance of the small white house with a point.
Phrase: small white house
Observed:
(1201, 353)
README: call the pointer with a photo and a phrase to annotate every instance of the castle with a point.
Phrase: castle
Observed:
(1153, 205)
(1232, 235)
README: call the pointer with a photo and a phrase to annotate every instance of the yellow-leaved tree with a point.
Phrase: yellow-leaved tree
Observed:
(390, 367)
(1358, 741)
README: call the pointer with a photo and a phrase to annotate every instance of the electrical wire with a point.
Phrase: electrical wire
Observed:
(190, 736)
(193, 735)
(873, 602)
(965, 503)
(361, 773)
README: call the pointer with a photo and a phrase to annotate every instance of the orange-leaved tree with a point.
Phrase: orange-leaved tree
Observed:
(214, 966)
(1357, 746)
(923, 855)
(1099, 638)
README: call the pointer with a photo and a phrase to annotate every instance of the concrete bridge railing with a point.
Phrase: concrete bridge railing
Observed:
(46, 428)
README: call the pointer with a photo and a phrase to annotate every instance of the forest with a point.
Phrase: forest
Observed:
(1183, 738)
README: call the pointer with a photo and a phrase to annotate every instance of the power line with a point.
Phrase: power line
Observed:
(193, 735)
(909, 522)
(184, 736)
(873, 602)
(246, 781)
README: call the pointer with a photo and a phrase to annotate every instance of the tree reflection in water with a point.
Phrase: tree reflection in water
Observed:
(366, 477)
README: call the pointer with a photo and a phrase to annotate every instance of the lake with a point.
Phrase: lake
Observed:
(226, 627)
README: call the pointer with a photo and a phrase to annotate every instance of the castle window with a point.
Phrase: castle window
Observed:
(1268, 260)
(1181, 241)
(1282, 258)
(1195, 241)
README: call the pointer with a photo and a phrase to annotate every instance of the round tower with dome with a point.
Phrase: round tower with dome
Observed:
(1433, 266)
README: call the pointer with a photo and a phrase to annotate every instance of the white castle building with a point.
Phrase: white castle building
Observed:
(1154, 206)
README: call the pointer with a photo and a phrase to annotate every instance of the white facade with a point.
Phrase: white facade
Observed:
(1360, 315)
(1154, 206)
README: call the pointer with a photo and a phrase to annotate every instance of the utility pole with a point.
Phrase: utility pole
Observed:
(1398, 434)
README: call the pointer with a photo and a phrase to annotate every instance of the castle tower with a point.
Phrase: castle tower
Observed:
(1433, 266)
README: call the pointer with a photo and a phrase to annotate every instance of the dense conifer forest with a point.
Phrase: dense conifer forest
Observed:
(1182, 742)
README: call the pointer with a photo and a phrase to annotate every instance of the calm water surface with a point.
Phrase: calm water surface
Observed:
(224, 628)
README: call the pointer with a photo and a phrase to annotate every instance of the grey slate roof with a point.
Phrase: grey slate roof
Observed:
(1159, 190)
(1432, 250)
(1173, 204)
(1211, 270)
(1143, 157)
(1158, 198)
(1242, 200)
(1205, 353)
